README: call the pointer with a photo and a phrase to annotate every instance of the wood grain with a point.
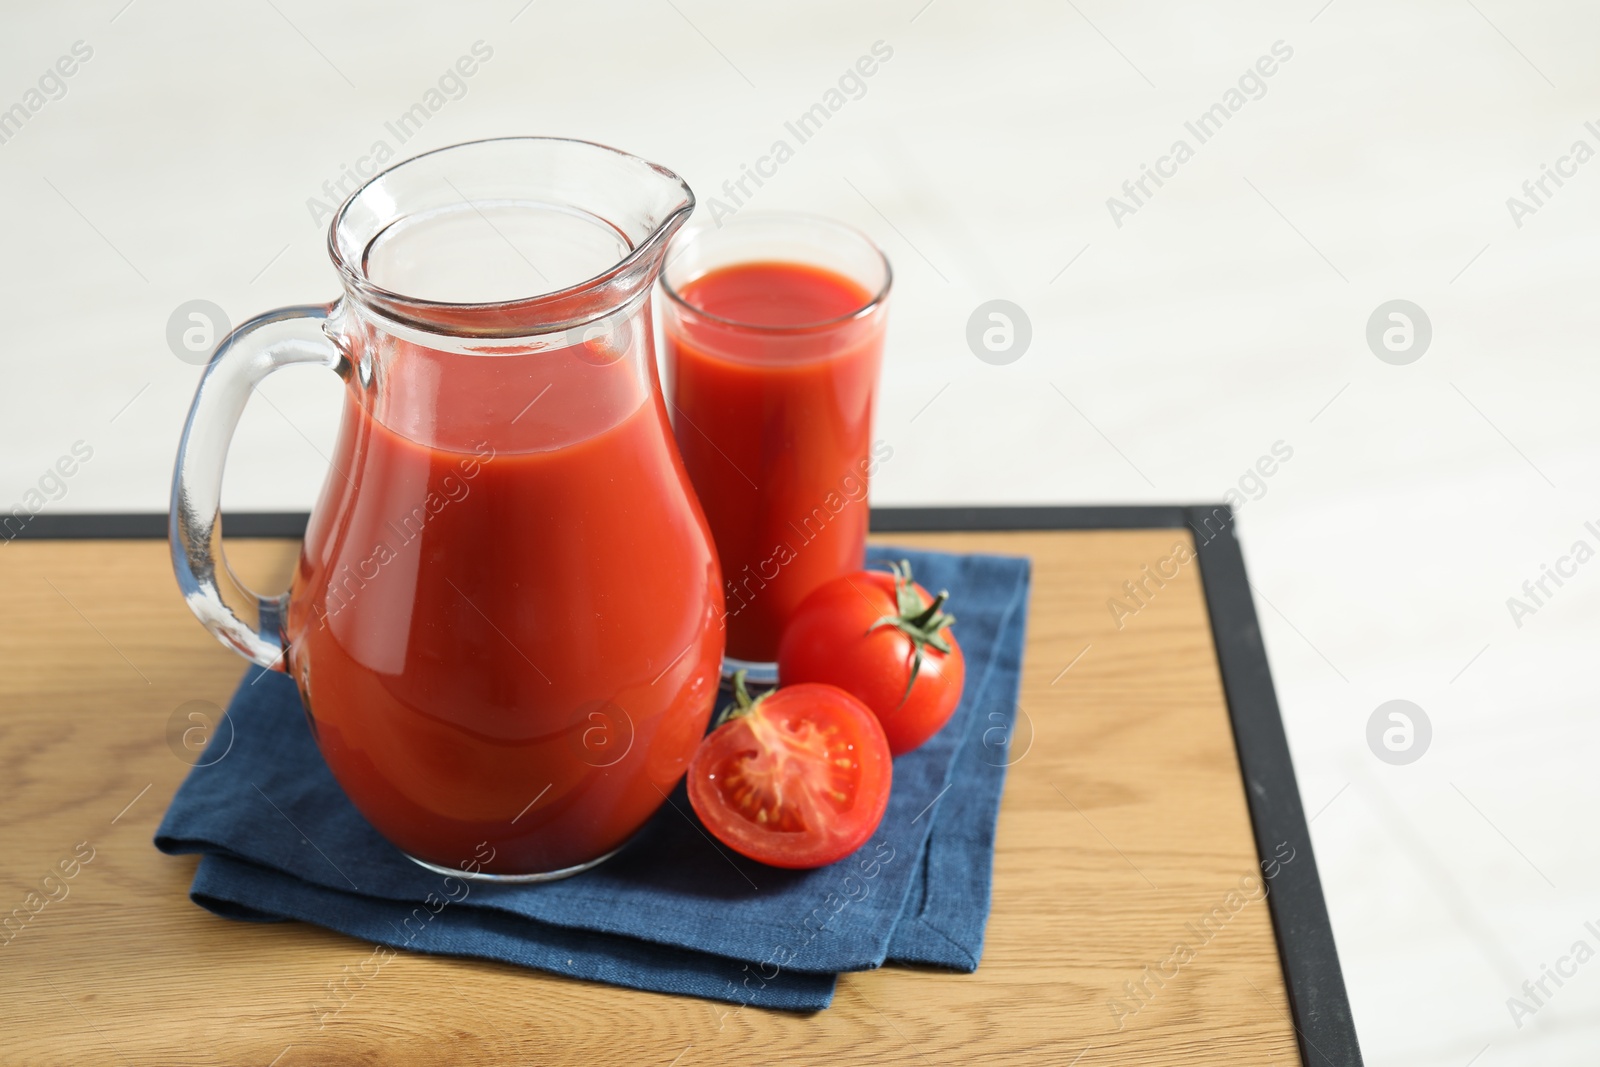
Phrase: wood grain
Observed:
(1123, 823)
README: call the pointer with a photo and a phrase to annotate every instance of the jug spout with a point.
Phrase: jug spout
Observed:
(508, 237)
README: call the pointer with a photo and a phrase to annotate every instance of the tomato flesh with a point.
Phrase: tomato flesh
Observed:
(800, 781)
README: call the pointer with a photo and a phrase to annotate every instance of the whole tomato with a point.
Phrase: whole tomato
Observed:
(880, 637)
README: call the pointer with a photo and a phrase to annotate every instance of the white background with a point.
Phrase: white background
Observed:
(1227, 314)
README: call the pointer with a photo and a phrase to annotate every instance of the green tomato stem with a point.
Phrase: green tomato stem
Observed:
(922, 623)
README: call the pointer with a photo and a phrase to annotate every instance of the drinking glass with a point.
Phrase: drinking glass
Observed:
(771, 403)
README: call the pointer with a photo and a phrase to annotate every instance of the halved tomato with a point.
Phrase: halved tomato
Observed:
(798, 777)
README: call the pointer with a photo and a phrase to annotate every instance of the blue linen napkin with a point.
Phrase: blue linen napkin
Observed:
(673, 912)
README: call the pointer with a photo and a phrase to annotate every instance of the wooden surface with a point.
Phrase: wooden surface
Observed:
(1123, 823)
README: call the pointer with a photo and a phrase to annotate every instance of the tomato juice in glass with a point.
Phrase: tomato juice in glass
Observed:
(774, 328)
(480, 650)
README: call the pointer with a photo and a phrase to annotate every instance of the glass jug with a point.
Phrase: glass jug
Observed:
(506, 619)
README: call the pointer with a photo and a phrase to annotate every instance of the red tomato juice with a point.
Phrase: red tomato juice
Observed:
(490, 673)
(772, 391)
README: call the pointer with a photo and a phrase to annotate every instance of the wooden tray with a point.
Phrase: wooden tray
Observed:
(1125, 832)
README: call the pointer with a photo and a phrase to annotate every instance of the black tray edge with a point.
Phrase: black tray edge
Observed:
(1320, 1003)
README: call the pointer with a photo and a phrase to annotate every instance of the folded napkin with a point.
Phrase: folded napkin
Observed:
(673, 912)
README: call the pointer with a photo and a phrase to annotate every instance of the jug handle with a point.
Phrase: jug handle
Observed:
(245, 621)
